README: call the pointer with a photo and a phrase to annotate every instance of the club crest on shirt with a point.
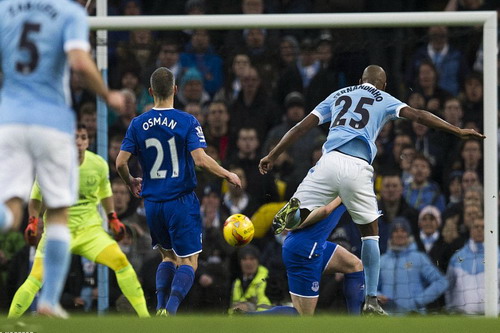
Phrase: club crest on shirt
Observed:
(199, 132)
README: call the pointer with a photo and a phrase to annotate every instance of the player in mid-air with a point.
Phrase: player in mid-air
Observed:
(356, 115)
(37, 42)
(88, 238)
(169, 143)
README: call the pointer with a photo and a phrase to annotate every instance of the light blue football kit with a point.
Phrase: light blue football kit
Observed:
(37, 125)
(35, 36)
(356, 115)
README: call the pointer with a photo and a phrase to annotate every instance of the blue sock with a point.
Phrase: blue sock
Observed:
(164, 275)
(55, 264)
(276, 311)
(370, 256)
(6, 218)
(354, 291)
(181, 284)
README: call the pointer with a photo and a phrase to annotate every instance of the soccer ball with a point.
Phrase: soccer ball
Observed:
(238, 230)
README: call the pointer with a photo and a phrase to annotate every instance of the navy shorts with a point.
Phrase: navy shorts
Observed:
(305, 264)
(176, 224)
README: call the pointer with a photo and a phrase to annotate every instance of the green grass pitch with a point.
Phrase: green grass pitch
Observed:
(243, 324)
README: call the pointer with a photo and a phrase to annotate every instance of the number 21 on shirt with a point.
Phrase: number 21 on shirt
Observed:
(155, 172)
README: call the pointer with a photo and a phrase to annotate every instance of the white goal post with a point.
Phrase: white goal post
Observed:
(487, 19)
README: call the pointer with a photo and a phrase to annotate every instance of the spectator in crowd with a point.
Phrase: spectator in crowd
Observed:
(448, 143)
(408, 279)
(470, 158)
(195, 110)
(130, 80)
(168, 56)
(191, 90)
(393, 206)
(288, 52)
(470, 178)
(472, 100)
(248, 289)
(88, 116)
(454, 189)
(429, 239)
(237, 200)
(211, 289)
(79, 95)
(129, 112)
(263, 54)
(253, 107)
(127, 213)
(217, 130)
(300, 151)
(299, 75)
(392, 162)
(424, 144)
(423, 191)
(426, 83)
(239, 64)
(200, 55)
(466, 274)
(449, 62)
(262, 188)
(408, 153)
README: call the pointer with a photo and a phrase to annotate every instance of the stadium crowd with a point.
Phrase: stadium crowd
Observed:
(249, 87)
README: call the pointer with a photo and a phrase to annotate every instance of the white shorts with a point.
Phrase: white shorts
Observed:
(337, 174)
(51, 155)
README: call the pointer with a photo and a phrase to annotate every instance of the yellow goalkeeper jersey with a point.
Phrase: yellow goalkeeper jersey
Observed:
(93, 187)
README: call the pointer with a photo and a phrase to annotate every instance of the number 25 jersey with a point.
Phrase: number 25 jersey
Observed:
(357, 113)
(162, 140)
(35, 36)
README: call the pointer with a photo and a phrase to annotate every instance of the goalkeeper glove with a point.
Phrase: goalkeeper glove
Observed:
(116, 226)
(31, 231)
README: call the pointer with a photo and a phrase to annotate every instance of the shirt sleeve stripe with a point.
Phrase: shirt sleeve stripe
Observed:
(319, 115)
(399, 109)
(76, 45)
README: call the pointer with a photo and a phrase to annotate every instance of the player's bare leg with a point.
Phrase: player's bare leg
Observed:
(10, 214)
(370, 255)
(347, 263)
(304, 305)
(318, 214)
(56, 263)
(287, 217)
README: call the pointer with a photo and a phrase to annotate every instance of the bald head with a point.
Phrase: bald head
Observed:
(375, 75)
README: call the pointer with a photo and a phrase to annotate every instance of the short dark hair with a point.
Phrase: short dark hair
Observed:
(162, 82)
(80, 126)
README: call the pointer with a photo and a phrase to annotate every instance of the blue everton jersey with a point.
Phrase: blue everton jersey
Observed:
(34, 38)
(357, 114)
(163, 139)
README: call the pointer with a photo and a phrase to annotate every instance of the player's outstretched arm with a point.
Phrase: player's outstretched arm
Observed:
(428, 119)
(81, 62)
(134, 184)
(204, 161)
(266, 163)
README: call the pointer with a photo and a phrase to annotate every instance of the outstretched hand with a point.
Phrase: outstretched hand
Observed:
(136, 186)
(234, 179)
(466, 133)
(265, 165)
